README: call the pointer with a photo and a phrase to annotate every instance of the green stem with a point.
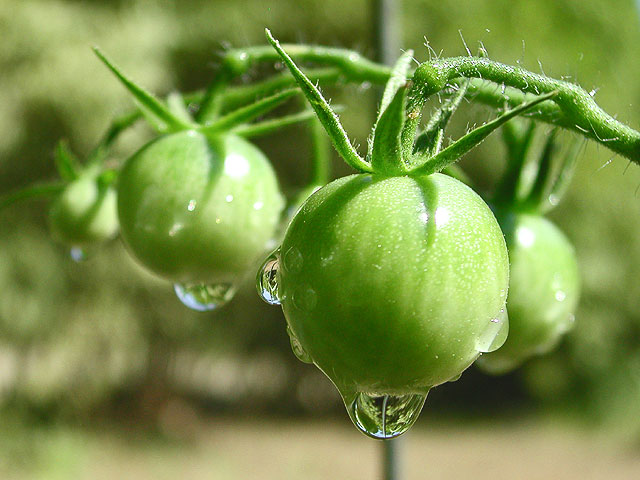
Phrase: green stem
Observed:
(268, 126)
(577, 106)
(235, 97)
(248, 113)
(351, 63)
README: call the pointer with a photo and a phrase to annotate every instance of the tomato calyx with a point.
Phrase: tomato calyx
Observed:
(390, 150)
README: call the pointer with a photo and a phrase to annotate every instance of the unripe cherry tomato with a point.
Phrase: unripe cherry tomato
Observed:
(392, 285)
(84, 213)
(198, 209)
(544, 288)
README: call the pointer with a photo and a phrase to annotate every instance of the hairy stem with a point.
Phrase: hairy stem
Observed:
(578, 108)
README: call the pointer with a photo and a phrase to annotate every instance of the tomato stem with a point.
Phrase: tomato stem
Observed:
(576, 105)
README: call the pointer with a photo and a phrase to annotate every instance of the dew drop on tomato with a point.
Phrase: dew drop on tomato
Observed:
(494, 334)
(384, 416)
(267, 282)
(203, 297)
(297, 348)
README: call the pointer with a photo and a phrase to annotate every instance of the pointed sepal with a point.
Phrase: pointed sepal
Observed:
(466, 143)
(397, 80)
(564, 175)
(429, 142)
(249, 113)
(326, 115)
(67, 164)
(154, 110)
(386, 151)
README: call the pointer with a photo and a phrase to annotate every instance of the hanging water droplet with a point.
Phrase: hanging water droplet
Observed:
(203, 297)
(384, 416)
(77, 254)
(456, 378)
(495, 333)
(267, 281)
(297, 348)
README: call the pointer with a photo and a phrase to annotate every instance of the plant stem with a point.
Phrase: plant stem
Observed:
(576, 105)
(351, 63)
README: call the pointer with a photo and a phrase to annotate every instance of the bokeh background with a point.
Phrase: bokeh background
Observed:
(104, 374)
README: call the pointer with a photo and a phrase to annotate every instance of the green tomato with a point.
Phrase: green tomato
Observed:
(544, 288)
(197, 209)
(392, 285)
(84, 213)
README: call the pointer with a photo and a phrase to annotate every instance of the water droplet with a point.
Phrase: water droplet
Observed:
(305, 298)
(560, 295)
(203, 297)
(297, 348)
(554, 199)
(77, 254)
(267, 281)
(384, 416)
(494, 334)
(229, 198)
(192, 205)
(293, 260)
(456, 378)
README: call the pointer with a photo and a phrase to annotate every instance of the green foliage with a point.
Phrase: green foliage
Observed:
(73, 334)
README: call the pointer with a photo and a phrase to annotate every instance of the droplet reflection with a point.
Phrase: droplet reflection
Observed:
(267, 282)
(202, 297)
(384, 416)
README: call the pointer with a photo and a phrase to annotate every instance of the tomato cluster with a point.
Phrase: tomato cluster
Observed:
(392, 281)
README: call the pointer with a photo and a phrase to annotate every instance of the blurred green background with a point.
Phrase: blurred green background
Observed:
(99, 356)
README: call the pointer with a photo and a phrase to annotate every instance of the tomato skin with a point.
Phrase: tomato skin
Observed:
(196, 208)
(84, 213)
(544, 288)
(389, 282)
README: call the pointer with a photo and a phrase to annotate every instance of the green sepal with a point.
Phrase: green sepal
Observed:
(326, 115)
(429, 142)
(152, 108)
(33, 191)
(67, 164)
(248, 113)
(464, 144)
(563, 177)
(517, 139)
(211, 104)
(178, 107)
(539, 190)
(386, 151)
(396, 81)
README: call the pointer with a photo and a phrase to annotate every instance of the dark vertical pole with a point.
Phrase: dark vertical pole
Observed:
(390, 460)
(386, 30)
(386, 40)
